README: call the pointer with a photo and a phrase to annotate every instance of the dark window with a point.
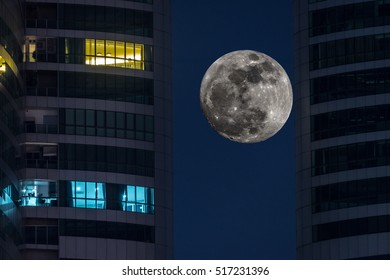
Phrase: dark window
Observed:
(108, 124)
(90, 114)
(104, 19)
(70, 117)
(41, 15)
(109, 230)
(120, 120)
(357, 49)
(100, 116)
(74, 156)
(80, 117)
(348, 17)
(351, 156)
(350, 194)
(351, 121)
(350, 84)
(41, 235)
(38, 156)
(29, 233)
(346, 228)
(85, 85)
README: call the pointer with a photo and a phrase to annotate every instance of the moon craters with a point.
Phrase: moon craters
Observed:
(246, 96)
(254, 74)
(237, 76)
(253, 56)
(221, 98)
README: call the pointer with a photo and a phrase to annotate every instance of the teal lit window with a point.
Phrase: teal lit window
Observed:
(88, 194)
(38, 193)
(6, 196)
(138, 199)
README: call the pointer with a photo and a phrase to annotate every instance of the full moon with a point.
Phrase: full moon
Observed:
(246, 96)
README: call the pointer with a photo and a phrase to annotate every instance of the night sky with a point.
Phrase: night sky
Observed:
(231, 200)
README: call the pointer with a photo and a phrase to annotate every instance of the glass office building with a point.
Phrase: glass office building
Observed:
(85, 129)
(342, 90)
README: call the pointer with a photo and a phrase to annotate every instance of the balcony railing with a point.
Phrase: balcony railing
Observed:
(38, 201)
(41, 23)
(47, 91)
(40, 128)
(38, 163)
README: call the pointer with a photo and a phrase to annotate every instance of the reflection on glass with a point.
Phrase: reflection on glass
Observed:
(6, 196)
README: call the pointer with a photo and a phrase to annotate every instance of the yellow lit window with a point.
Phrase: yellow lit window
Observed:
(130, 55)
(114, 53)
(90, 51)
(2, 65)
(120, 54)
(110, 53)
(30, 48)
(139, 55)
(100, 53)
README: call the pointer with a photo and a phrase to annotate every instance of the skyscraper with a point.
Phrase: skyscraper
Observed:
(85, 129)
(342, 68)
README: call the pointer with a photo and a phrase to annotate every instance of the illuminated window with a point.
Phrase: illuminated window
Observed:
(30, 48)
(88, 195)
(110, 53)
(38, 193)
(138, 199)
(2, 65)
(114, 53)
(99, 57)
(120, 54)
(90, 51)
(6, 196)
(41, 49)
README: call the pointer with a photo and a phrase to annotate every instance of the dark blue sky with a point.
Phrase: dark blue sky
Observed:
(231, 200)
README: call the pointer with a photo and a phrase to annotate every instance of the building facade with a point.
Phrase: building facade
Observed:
(342, 67)
(86, 132)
